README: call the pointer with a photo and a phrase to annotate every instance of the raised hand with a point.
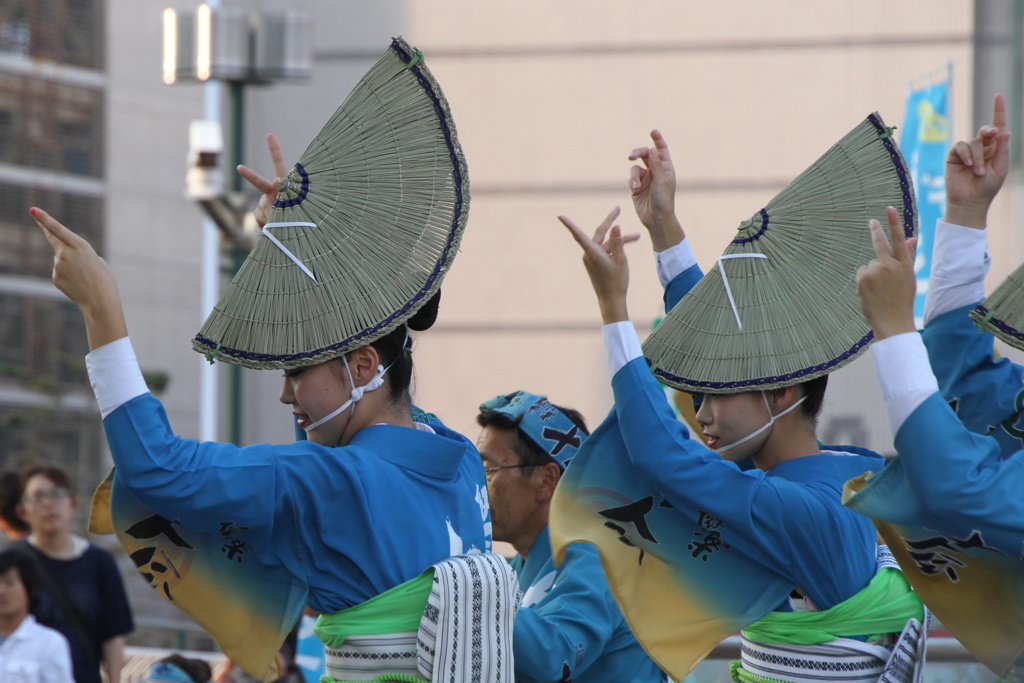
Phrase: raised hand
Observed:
(86, 279)
(976, 169)
(654, 192)
(886, 286)
(605, 260)
(264, 185)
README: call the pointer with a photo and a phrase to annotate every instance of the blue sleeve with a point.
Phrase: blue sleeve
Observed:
(187, 480)
(578, 616)
(987, 394)
(798, 528)
(687, 474)
(681, 285)
(961, 479)
(772, 516)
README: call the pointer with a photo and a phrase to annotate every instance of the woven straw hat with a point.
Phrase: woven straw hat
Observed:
(780, 306)
(364, 228)
(1002, 312)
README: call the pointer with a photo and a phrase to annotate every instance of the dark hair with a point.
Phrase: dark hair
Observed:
(530, 454)
(197, 669)
(28, 570)
(395, 348)
(814, 390)
(55, 474)
(10, 494)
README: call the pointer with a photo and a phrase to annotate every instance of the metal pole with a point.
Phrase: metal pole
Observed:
(236, 255)
(208, 404)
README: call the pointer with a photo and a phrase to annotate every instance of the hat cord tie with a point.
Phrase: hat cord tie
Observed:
(725, 281)
(293, 257)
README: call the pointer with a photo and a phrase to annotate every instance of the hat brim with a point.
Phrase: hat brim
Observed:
(381, 199)
(1002, 312)
(791, 272)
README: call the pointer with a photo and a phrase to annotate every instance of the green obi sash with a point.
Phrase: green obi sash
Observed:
(398, 610)
(394, 611)
(883, 606)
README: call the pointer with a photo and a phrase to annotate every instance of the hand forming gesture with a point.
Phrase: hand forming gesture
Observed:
(605, 260)
(976, 169)
(86, 279)
(264, 185)
(887, 285)
(654, 192)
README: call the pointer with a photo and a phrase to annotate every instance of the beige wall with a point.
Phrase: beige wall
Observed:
(548, 97)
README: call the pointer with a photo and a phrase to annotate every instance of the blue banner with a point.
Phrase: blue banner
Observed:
(924, 142)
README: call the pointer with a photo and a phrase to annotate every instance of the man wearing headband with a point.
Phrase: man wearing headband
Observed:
(952, 496)
(568, 627)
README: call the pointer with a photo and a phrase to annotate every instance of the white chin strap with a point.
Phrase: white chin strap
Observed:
(771, 421)
(357, 393)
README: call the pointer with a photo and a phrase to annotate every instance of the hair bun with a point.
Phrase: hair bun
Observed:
(424, 318)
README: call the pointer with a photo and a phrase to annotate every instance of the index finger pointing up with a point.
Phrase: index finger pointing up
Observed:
(56, 234)
(897, 237)
(660, 144)
(280, 170)
(999, 112)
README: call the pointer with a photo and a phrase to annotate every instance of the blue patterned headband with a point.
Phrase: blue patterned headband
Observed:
(542, 423)
(165, 672)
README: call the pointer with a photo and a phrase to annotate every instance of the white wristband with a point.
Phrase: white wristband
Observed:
(115, 375)
(621, 345)
(904, 374)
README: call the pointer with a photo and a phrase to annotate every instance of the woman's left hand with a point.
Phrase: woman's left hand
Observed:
(605, 259)
(887, 285)
(86, 279)
(266, 186)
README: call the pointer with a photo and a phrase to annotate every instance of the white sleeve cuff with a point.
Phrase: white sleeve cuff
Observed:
(674, 260)
(959, 265)
(904, 374)
(620, 344)
(115, 375)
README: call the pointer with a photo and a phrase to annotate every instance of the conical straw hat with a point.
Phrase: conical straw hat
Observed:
(1002, 312)
(380, 198)
(780, 306)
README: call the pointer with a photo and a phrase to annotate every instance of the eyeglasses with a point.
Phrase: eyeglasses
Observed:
(41, 496)
(491, 470)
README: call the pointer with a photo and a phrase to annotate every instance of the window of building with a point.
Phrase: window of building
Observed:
(64, 31)
(52, 126)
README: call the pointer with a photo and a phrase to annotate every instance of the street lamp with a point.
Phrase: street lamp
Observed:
(239, 48)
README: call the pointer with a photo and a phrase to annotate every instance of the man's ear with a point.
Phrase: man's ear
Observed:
(548, 476)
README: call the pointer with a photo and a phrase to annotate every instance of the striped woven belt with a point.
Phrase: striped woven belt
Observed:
(842, 659)
(364, 658)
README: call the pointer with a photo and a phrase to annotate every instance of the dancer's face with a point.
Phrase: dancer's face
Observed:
(727, 418)
(314, 392)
